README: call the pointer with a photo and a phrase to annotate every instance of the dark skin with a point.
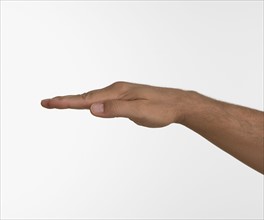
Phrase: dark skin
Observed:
(235, 129)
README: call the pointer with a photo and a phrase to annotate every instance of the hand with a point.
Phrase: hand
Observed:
(143, 104)
(235, 129)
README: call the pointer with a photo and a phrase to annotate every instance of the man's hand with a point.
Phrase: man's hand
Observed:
(145, 105)
(235, 129)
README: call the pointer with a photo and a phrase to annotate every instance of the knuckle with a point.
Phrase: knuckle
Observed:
(83, 96)
(120, 85)
(122, 89)
(114, 109)
(58, 98)
(89, 95)
(109, 108)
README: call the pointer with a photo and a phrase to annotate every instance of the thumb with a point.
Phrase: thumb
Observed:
(115, 108)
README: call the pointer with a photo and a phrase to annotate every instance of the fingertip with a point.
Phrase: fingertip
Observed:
(45, 103)
(97, 108)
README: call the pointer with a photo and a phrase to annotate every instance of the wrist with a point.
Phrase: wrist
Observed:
(191, 106)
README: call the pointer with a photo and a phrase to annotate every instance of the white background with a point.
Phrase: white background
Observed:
(69, 164)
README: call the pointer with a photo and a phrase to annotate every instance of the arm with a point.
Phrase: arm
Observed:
(235, 129)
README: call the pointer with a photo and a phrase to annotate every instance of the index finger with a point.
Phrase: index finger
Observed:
(85, 100)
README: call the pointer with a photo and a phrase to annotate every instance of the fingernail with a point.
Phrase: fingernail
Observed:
(97, 108)
(45, 100)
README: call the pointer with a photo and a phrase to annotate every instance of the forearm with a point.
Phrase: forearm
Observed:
(235, 129)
